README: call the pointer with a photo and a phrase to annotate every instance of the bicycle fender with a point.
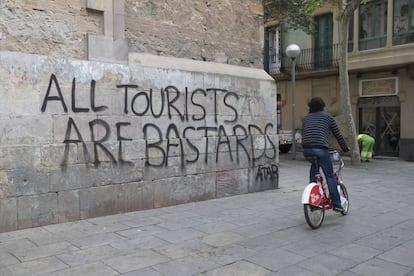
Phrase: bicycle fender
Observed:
(312, 194)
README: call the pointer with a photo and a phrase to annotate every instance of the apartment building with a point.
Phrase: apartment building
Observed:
(380, 66)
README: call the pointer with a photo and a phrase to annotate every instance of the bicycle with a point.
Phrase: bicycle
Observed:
(315, 197)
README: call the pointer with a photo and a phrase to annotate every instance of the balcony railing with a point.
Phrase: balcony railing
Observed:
(310, 59)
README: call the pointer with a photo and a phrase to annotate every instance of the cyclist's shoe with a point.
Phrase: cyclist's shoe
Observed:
(338, 209)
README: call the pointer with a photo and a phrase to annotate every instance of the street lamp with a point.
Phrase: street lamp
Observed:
(293, 51)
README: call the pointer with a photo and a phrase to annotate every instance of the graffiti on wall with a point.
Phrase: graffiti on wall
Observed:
(267, 172)
(163, 142)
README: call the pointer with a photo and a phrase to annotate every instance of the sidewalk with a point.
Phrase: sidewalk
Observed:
(255, 234)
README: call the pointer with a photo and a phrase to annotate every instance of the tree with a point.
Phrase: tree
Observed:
(299, 14)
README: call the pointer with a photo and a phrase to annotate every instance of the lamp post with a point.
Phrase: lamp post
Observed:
(293, 51)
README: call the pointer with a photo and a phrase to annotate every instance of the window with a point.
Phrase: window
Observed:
(277, 39)
(373, 25)
(403, 29)
(273, 56)
(323, 39)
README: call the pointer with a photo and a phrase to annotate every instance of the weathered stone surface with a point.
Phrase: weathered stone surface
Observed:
(217, 31)
(99, 201)
(188, 141)
(129, 130)
(136, 196)
(232, 182)
(264, 176)
(183, 189)
(8, 214)
(68, 204)
(37, 210)
(28, 181)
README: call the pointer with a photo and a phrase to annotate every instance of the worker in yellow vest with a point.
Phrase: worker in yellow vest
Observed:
(366, 143)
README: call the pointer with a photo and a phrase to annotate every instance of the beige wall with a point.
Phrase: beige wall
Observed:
(326, 88)
(388, 61)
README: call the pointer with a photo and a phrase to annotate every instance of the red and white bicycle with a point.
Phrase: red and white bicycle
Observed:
(315, 197)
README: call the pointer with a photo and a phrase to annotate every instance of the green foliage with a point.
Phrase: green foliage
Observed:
(311, 5)
(296, 13)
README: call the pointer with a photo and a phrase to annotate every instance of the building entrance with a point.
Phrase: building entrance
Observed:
(380, 117)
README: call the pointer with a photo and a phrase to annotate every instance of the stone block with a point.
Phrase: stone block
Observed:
(37, 210)
(158, 168)
(105, 152)
(138, 260)
(230, 161)
(105, 48)
(233, 182)
(26, 130)
(136, 196)
(68, 206)
(129, 127)
(11, 157)
(28, 181)
(8, 214)
(178, 190)
(48, 265)
(52, 155)
(264, 176)
(19, 102)
(65, 180)
(93, 269)
(61, 125)
(100, 201)
(202, 165)
(100, 5)
(126, 173)
(6, 184)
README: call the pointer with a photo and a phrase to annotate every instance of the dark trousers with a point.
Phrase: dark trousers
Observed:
(326, 164)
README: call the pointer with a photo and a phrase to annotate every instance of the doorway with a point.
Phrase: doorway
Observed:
(380, 117)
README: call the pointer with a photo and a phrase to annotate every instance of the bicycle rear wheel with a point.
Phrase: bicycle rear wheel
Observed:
(314, 215)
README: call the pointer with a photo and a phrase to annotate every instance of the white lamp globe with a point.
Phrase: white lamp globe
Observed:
(292, 50)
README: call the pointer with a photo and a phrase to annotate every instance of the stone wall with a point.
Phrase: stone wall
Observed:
(218, 31)
(112, 106)
(81, 139)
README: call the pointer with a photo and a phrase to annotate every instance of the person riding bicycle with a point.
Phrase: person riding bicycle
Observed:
(317, 126)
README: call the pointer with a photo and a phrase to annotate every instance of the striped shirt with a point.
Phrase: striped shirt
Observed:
(317, 127)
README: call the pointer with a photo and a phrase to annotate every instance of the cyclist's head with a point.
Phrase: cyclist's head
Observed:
(316, 104)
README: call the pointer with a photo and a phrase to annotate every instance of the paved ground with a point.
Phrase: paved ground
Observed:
(255, 234)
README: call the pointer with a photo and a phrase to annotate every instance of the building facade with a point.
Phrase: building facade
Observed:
(111, 106)
(380, 66)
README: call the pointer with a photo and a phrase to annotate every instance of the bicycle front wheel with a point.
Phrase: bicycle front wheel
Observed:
(344, 198)
(314, 215)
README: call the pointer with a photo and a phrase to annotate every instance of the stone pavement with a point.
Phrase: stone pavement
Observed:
(256, 234)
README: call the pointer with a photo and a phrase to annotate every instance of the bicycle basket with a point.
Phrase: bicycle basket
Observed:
(335, 156)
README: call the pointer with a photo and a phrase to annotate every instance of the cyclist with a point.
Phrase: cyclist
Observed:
(316, 129)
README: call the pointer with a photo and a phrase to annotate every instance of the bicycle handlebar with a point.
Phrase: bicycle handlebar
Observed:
(335, 156)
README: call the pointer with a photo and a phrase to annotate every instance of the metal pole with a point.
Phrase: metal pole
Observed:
(293, 109)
